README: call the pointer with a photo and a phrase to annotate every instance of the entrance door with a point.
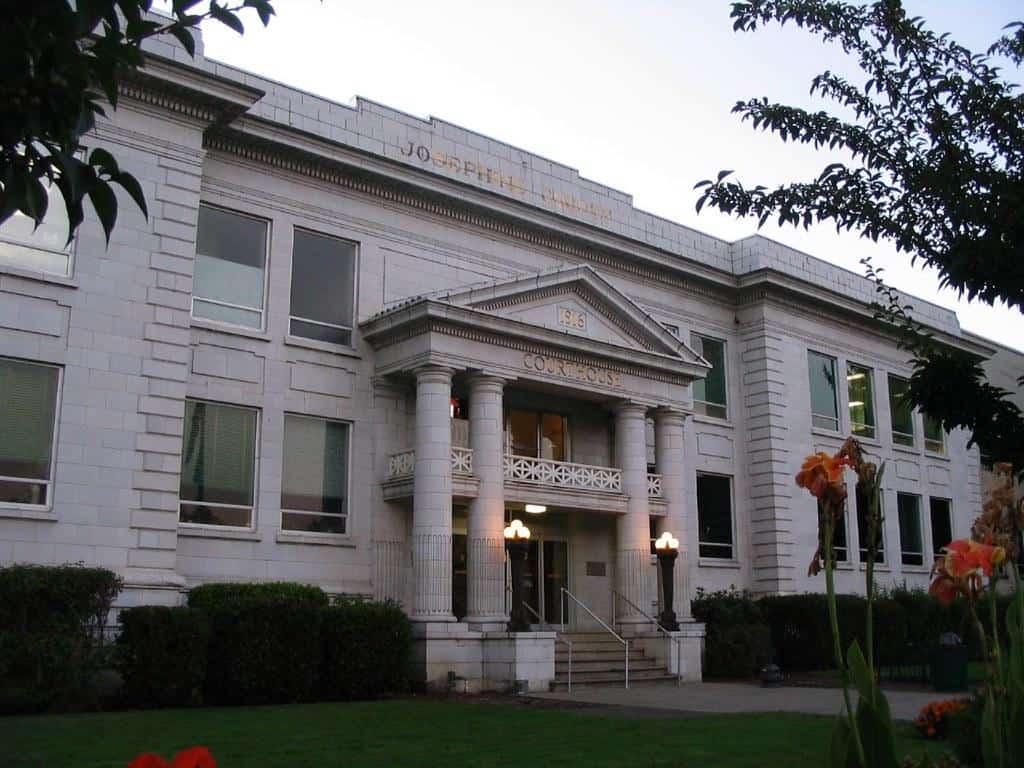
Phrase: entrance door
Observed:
(556, 576)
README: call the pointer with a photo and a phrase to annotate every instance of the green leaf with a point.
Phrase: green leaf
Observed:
(840, 745)
(227, 18)
(860, 673)
(990, 747)
(105, 204)
(103, 160)
(131, 185)
(183, 36)
(35, 200)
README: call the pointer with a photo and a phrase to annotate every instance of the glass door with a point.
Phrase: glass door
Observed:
(556, 576)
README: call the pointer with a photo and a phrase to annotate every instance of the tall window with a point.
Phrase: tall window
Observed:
(902, 411)
(40, 249)
(538, 435)
(862, 530)
(824, 409)
(714, 516)
(942, 524)
(218, 464)
(28, 419)
(231, 261)
(911, 541)
(314, 484)
(934, 438)
(709, 393)
(861, 392)
(839, 546)
(323, 288)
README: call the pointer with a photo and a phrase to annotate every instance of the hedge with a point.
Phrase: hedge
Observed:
(737, 642)
(366, 650)
(51, 635)
(208, 596)
(162, 656)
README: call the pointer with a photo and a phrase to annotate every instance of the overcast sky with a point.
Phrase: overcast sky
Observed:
(635, 95)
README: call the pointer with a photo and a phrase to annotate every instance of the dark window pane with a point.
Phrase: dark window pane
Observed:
(206, 514)
(522, 427)
(934, 440)
(861, 393)
(902, 411)
(17, 492)
(552, 437)
(839, 548)
(28, 412)
(862, 530)
(712, 388)
(295, 521)
(942, 525)
(231, 253)
(315, 473)
(822, 373)
(219, 454)
(328, 333)
(714, 516)
(323, 278)
(911, 546)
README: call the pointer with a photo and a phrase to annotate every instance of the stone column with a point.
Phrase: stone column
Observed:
(669, 441)
(432, 497)
(633, 548)
(486, 522)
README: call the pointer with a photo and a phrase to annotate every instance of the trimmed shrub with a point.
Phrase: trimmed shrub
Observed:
(963, 731)
(212, 595)
(737, 641)
(367, 650)
(51, 635)
(162, 655)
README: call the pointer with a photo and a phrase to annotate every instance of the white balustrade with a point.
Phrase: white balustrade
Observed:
(404, 464)
(462, 460)
(654, 486)
(563, 474)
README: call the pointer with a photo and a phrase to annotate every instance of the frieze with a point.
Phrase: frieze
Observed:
(567, 369)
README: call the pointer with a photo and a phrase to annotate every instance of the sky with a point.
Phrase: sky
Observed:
(635, 95)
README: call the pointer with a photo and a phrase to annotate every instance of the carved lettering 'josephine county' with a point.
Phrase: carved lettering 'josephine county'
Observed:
(569, 370)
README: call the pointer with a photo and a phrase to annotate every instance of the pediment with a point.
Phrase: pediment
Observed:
(575, 301)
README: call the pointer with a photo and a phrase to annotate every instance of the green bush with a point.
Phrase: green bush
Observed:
(51, 635)
(162, 655)
(964, 733)
(213, 595)
(737, 641)
(800, 629)
(367, 650)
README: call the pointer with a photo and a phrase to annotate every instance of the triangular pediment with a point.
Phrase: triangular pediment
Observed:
(575, 301)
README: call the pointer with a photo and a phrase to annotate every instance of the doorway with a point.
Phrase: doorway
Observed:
(546, 572)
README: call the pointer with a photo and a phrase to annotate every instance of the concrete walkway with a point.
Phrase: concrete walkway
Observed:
(736, 697)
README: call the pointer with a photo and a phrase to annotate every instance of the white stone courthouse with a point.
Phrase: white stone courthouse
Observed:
(349, 346)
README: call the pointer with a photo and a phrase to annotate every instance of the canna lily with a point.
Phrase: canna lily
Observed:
(962, 568)
(193, 757)
(822, 474)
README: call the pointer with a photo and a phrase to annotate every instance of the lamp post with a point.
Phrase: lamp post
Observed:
(517, 542)
(667, 549)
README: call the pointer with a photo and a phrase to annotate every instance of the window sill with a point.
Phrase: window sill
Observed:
(711, 562)
(713, 420)
(879, 567)
(936, 456)
(40, 277)
(320, 539)
(923, 569)
(826, 433)
(872, 441)
(322, 346)
(231, 330)
(210, 532)
(27, 512)
(906, 449)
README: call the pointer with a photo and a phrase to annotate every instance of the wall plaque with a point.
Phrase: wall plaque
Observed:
(595, 568)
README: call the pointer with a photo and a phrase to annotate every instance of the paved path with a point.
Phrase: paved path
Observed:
(736, 697)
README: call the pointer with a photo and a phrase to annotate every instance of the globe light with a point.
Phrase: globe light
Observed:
(666, 541)
(536, 509)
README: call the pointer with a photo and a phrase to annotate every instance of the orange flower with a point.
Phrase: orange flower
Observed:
(962, 567)
(193, 757)
(820, 471)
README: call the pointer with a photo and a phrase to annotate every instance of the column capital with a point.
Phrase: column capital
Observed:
(667, 415)
(482, 381)
(629, 408)
(434, 373)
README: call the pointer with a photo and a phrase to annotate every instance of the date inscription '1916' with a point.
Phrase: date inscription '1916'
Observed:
(572, 318)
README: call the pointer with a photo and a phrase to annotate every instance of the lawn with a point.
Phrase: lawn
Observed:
(411, 732)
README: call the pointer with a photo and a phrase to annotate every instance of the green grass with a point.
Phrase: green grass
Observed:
(408, 733)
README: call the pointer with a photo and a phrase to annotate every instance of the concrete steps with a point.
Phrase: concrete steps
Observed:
(600, 659)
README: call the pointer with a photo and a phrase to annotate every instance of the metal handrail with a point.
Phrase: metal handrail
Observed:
(657, 625)
(558, 639)
(567, 594)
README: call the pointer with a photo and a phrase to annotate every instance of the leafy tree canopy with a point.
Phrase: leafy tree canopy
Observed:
(933, 141)
(61, 62)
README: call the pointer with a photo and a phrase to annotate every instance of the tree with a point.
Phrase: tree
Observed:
(60, 61)
(934, 137)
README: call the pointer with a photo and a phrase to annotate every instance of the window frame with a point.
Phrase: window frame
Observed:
(69, 251)
(704, 404)
(733, 556)
(355, 292)
(869, 373)
(50, 483)
(838, 418)
(936, 552)
(566, 431)
(935, 446)
(262, 327)
(257, 438)
(347, 533)
(893, 433)
(920, 531)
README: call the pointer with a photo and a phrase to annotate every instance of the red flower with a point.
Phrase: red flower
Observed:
(962, 567)
(193, 757)
(821, 473)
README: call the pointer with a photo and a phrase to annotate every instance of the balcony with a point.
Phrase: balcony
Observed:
(581, 485)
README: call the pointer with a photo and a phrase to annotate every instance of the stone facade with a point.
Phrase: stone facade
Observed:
(483, 273)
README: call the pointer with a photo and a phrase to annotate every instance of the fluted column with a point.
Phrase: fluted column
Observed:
(669, 440)
(633, 548)
(485, 544)
(432, 497)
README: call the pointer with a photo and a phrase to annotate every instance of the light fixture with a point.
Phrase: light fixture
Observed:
(855, 376)
(516, 530)
(666, 541)
(856, 403)
(536, 509)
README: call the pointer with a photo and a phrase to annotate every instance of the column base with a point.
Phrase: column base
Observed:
(490, 623)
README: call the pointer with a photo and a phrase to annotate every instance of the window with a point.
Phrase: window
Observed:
(824, 410)
(902, 411)
(538, 435)
(323, 288)
(314, 484)
(671, 328)
(911, 545)
(40, 249)
(28, 420)
(942, 524)
(934, 439)
(230, 268)
(218, 464)
(862, 530)
(714, 516)
(861, 392)
(709, 395)
(839, 546)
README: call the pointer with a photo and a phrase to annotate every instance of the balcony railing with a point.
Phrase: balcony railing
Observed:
(525, 469)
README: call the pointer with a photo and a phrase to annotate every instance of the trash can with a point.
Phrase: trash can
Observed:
(949, 663)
